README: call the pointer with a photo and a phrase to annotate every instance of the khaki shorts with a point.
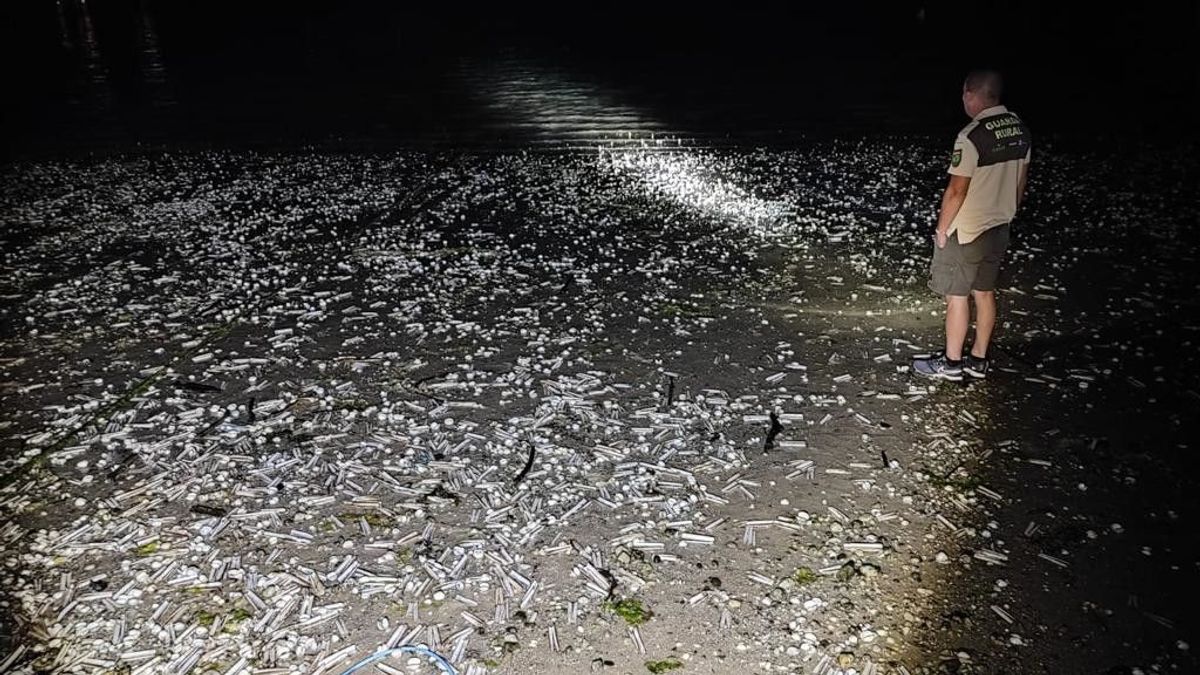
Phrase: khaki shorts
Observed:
(959, 269)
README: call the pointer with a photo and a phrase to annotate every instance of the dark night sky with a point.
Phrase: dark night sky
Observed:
(846, 66)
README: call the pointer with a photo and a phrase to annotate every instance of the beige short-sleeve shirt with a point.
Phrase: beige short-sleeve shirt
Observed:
(991, 151)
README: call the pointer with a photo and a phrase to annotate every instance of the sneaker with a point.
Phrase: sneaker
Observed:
(939, 367)
(975, 366)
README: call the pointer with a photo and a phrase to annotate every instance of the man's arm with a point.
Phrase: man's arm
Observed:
(1022, 181)
(952, 201)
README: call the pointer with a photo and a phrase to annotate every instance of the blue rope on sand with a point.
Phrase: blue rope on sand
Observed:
(407, 649)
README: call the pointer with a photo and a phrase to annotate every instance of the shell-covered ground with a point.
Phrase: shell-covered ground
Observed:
(621, 411)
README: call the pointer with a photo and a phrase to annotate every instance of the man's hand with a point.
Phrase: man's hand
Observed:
(952, 201)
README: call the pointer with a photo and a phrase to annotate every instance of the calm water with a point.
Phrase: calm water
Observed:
(117, 73)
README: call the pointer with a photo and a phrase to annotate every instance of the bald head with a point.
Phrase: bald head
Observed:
(981, 91)
(987, 84)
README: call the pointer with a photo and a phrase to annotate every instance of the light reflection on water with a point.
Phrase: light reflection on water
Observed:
(151, 67)
(500, 103)
(131, 83)
(97, 91)
(552, 108)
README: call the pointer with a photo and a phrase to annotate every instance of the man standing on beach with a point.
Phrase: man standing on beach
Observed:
(988, 171)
